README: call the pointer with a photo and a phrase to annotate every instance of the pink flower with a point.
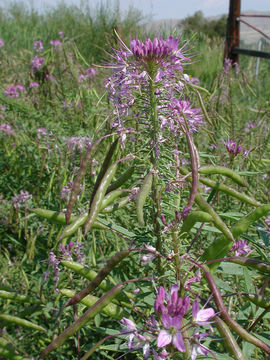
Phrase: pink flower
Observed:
(197, 348)
(6, 128)
(232, 147)
(2, 42)
(202, 316)
(38, 46)
(37, 62)
(56, 44)
(33, 85)
(172, 333)
(241, 248)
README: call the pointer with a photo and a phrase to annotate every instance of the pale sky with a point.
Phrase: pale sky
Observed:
(163, 9)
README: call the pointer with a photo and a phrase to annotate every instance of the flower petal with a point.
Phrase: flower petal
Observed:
(178, 342)
(164, 338)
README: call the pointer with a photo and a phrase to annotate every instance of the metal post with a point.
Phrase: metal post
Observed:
(233, 31)
(258, 59)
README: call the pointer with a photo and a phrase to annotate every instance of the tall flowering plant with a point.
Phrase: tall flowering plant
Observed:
(154, 117)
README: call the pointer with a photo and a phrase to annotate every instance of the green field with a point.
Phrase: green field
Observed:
(138, 169)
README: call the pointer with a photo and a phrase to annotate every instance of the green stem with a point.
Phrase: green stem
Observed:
(154, 135)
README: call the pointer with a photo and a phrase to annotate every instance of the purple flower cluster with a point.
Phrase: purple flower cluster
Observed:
(72, 251)
(151, 64)
(7, 129)
(168, 329)
(33, 85)
(21, 198)
(53, 262)
(234, 149)
(241, 247)
(78, 143)
(88, 74)
(38, 46)
(14, 91)
(37, 63)
(56, 44)
(64, 194)
(2, 44)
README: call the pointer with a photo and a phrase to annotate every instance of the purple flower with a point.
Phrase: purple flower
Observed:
(161, 356)
(232, 147)
(14, 91)
(38, 46)
(172, 333)
(78, 143)
(2, 44)
(37, 62)
(174, 306)
(7, 129)
(61, 34)
(56, 44)
(33, 84)
(241, 248)
(197, 347)
(201, 317)
(21, 198)
(90, 72)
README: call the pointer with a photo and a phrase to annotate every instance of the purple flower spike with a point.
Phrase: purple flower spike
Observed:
(233, 148)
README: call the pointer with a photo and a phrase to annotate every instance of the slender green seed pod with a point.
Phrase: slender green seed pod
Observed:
(99, 196)
(142, 196)
(86, 273)
(242, 225)
(79, 323)
(109, 198)
(259, 300)
(216, 218)
(22, 322)
(76, 186)
(104, 168)
(117, 205)
(17, 297)
(53, 216)
(9, 354)
(193, 218)
(230, 342)
(121, 180)
(221, 246)
(249, 262)
(111, 264)
(105, 285)
(78, 222)
(222, 170)
(111, 310)
(230, 191)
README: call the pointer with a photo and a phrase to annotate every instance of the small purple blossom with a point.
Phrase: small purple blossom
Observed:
(56, 44)
(172, 333)
(2, 44)
(33, 84)
(7, 129)
(61, 34)
(38, 46)
(65, 192)
(72, 251)
(78, 143)
(21, 198)
(232, 147)
(90, 72)
(14, 91)
(241, 248)
(37, 63)
(201, 317)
